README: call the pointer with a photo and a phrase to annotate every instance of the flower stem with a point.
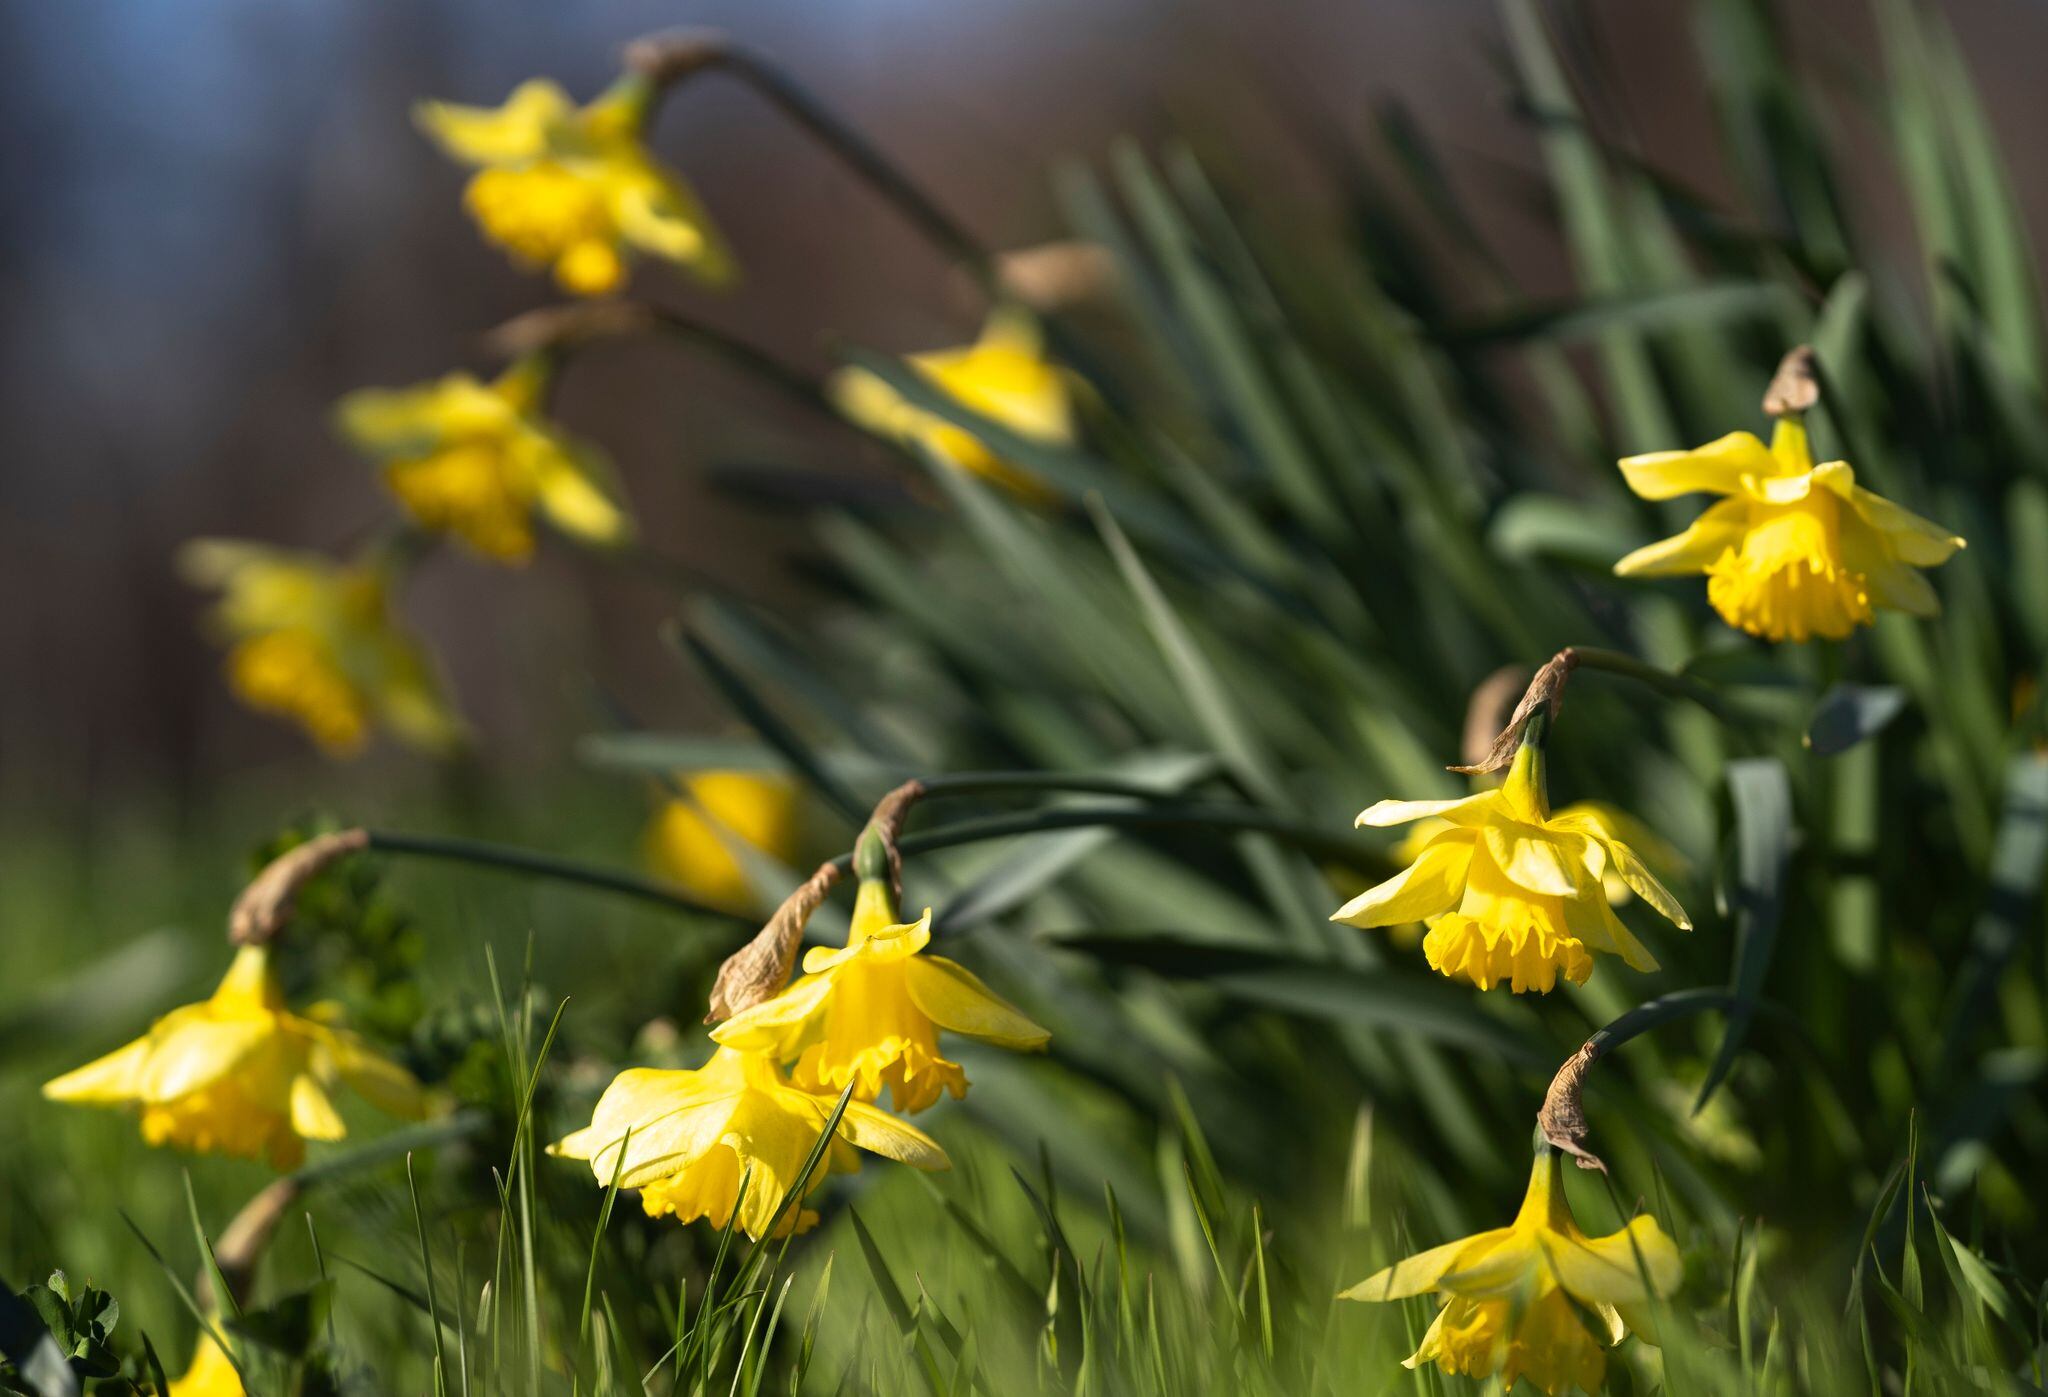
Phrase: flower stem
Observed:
(665, 60)
(500, 856)
(1662, 680)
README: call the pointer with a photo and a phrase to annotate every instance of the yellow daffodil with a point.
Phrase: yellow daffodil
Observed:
(692, 840)
(1004, 376)
(1795, 550)
(870, 1012)
(478, 460)
(239, 1074)
(1513, 1296)
(1611, 821)
(574, 188)
(313, 640)
(688, 1137)
(211, 1374)
(1511, 891)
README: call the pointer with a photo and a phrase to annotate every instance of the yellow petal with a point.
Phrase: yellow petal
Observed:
(198, 1050)
(658, 213)
(415, 420)
(782, 1026)
(953, 997)
(1419, 1273)
(1431, 884)
(874, 1129)
(376, 1078)
(1912, 539)
(517, 131)
(1611, 1270)
(1465, 810)
(1716, 468)
(1717, 531)
(313, 1114)
(106, 1081)
(1534, 859)
(574, 501)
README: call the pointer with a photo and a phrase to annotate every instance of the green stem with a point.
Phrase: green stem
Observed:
(700, 52)
(1662, 680)
(472, 851)
(971, 783)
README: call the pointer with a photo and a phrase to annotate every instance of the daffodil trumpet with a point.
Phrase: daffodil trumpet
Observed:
(1512, 892)
(1538, 1299)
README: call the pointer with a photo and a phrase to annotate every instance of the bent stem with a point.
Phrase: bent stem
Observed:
(1562, 1120)
(666, 60)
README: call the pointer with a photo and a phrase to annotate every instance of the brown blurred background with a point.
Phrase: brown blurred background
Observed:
(218, 218)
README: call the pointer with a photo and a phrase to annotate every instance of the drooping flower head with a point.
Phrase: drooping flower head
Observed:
(689, 1137)
(1004, 375)
(313, 640)
(870, 1012)
(211, 1374)
(692, 838)
(1794, 550)
(1512, 892)
(240, 1074)
(478, 460)
(574, 188)
(1513, 1296)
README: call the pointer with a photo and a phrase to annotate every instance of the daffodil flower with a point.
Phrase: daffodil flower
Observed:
(870, 1012)
(689, 1137)
(574, 188)
(211, 1374)
(478, 460)
(1511, 891)
(1513, 1296)
(1794, 550)
(240, 1074)
(1611, 821)
(692, 839)
(313, 640)
(1004, 375)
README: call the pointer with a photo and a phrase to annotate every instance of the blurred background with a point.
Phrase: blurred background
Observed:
(218, 218)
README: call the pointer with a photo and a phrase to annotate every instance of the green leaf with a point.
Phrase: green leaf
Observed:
(1849, 713)
(1762, 797)
(27, 1343)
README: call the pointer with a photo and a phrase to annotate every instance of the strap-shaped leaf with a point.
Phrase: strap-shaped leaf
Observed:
(1849, 713)
(1762, 795)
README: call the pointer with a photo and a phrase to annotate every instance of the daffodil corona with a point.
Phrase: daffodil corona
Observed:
(240, 1074)
(313, 640)
(1794, 550)
(686, 1139)
(478, 460)
(692, 840)
(574, 188)
(1512, 892)
(870, 1012)
(1004, 376)
(1514, 1297)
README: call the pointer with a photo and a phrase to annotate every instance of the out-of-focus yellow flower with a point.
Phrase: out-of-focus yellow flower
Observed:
(688, 1138)
(574, 188)
(1795, 550)
(1512, 892)
(1004, 376)
(870, 1012)
(478, 459)
(211, 1374)
(1509, 1293)
(313, 640)
(691, 840)
(239, 1074)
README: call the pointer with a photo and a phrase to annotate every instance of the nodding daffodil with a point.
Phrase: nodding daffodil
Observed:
(1795, 550)
(478, 460)
(1004, 375)
(686, 1139)
(240, 1074)
(211, 1374)
(313, 640)
(1514, 1297)
(870, 1012)
(574, 188)
(692, 839)
(1511, 891)
(1611, 821)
